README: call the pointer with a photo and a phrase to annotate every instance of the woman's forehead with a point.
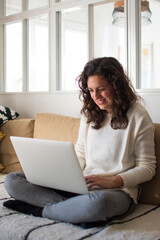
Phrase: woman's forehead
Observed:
(97, 81)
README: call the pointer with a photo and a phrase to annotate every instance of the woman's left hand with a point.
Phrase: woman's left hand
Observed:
(104, 181)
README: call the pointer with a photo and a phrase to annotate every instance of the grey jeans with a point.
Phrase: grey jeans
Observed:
(101, 205)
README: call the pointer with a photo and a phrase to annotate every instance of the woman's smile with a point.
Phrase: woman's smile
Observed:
(101, 101)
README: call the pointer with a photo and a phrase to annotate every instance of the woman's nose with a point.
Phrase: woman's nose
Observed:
(96, 94)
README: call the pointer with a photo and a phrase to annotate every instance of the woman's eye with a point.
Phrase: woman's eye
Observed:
(90, 90)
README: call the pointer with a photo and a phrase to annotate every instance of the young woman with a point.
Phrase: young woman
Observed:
(115, 148)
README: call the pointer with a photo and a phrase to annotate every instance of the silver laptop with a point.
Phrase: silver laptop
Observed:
(50, 163)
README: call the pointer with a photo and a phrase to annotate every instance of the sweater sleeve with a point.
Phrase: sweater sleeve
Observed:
(144, 151)
(80, 144)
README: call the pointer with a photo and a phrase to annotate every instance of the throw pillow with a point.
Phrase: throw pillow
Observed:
(2, 167)
(7, 114)
(2, 135)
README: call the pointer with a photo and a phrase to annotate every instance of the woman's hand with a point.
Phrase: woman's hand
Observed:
(103, 181)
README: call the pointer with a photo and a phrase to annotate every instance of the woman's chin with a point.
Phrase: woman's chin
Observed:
(102, 107)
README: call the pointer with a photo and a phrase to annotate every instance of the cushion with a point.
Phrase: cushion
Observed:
(18, 127)
(2, 136)
(7, 114)
(56, 127)
(2, 167)
(151, 189)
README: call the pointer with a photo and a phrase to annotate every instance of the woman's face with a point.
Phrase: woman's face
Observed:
(101, 92)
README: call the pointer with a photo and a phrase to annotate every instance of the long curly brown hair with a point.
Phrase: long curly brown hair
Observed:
(124, 94)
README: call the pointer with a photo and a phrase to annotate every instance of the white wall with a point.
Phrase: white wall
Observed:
(27, 105)
(152, 104)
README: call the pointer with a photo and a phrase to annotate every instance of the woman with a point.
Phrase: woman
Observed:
(115, 148)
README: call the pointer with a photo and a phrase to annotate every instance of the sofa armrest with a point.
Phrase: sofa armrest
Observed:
(17, 127)
(150, 193)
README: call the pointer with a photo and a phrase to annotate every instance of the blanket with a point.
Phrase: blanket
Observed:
(143, 223)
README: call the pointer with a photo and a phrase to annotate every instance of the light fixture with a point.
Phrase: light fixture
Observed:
(118, 13)
(145, 13)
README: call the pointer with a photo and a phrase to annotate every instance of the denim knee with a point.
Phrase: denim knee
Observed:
(11, 182)
(110, 203)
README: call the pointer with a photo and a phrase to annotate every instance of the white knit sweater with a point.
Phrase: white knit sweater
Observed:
(126, 152)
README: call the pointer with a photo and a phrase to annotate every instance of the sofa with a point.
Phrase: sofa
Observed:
(143, 223)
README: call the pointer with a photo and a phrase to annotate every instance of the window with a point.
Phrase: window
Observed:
(46, 43)
(85, 33)
(32, 4)
(13, 64)
(150, 47)
(38, 54)
(109, 36)
(13, 6)
(25, 45)
(72, 44)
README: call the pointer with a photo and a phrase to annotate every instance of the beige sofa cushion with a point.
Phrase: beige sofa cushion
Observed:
(56, 127)
(151, 190)
(17, 127)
